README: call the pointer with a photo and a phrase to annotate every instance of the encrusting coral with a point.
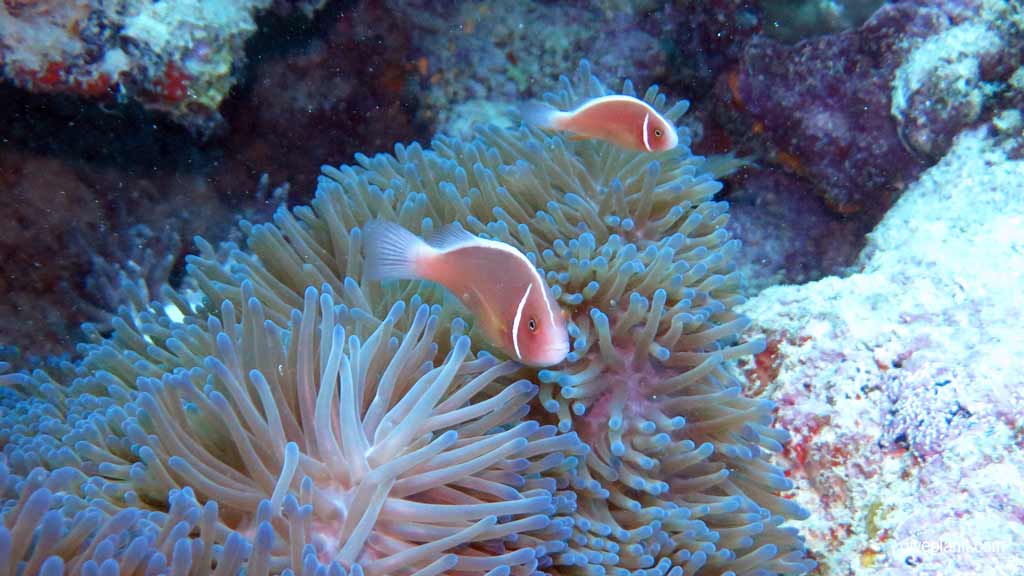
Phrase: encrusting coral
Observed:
(286, 416)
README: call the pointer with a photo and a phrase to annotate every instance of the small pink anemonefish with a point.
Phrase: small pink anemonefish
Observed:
(513, 305)
(625, 121)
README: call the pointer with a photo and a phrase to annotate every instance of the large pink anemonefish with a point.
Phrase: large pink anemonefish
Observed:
(625, 121)
(514, 307)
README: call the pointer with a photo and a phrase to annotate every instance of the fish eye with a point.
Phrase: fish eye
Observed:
(532, 325)
(657, 132)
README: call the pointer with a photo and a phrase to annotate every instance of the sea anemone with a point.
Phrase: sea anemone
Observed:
(286, 414)
(635, 247)
(337, 442)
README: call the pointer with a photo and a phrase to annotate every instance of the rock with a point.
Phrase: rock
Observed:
(901, 383)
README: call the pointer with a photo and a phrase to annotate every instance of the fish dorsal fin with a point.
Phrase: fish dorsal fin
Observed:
(451, 236)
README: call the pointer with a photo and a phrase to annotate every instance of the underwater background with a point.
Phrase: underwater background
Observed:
(795, 337)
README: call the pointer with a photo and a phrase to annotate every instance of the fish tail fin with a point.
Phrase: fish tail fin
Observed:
(540, 115)
(392, 252)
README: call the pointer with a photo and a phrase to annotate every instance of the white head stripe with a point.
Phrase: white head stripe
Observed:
(518, 318)
(512, 251)
(647, 120)
(551, 313)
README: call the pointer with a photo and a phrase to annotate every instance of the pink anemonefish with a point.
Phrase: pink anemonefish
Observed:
(625, 121)
(513, 305)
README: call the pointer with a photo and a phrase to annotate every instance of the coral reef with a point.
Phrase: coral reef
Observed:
(959, 75)
(824, 104)
(33, 227)
(285, 414)
(852, 117)
(125, 166)
(339, 85)
(507, 51)
(900, 382)
(176, 56)
(789, 234)
(705, 39)
(81, 239)
(858, 114)
(795, 20)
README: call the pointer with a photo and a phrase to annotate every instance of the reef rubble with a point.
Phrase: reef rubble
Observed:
(901, 382)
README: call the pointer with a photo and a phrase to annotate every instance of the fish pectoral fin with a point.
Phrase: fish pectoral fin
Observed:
(482, 341)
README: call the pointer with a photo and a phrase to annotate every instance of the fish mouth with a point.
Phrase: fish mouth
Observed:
(553, 355)
(673, 140)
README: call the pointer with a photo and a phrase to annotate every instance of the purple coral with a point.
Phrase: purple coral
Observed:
(825, 102)
(789, 235)
(860, 113)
